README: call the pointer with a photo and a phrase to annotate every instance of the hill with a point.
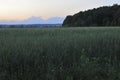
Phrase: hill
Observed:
(102, 16)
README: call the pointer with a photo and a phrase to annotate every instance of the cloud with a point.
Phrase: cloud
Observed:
(36, 20)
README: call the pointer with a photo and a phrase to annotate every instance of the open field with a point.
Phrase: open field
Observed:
(88, 53)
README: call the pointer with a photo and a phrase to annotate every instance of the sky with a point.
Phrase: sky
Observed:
(23, 9)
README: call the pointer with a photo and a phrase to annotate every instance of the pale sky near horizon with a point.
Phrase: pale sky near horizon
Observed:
(22, 9)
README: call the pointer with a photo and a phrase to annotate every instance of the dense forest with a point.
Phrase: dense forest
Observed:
(102, 16)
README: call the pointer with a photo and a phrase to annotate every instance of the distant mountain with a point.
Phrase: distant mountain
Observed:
(102, 16)
(36, 20)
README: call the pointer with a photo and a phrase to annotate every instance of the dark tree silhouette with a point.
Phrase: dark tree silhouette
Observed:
(102, 16)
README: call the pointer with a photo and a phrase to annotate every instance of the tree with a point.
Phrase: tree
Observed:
(102, 16)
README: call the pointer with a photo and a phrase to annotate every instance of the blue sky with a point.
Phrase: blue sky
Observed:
(23, 9)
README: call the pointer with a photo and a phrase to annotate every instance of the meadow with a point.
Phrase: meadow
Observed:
(81, 53)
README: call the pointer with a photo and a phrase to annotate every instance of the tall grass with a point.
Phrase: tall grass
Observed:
(60, 53)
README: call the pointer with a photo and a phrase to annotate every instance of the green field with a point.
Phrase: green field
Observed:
(88, 53)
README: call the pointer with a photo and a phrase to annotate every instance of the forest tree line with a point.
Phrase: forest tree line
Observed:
(102, 16)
